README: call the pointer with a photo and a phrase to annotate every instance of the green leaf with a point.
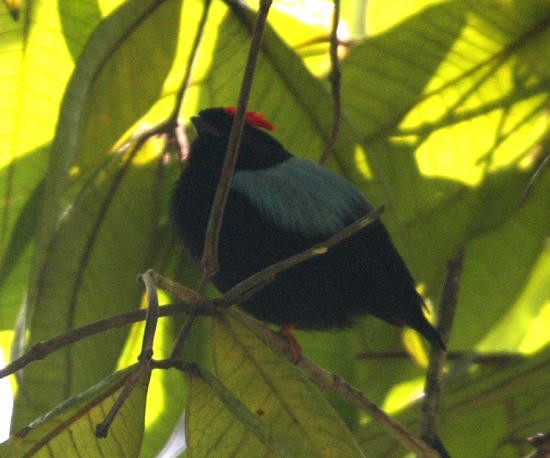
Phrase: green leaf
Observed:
(28, 113)
(296, 102)
(218, 424)
(450, 103)
(97, 235)
(14, 265)
(485, 412)
(69, 429)
(292, 408)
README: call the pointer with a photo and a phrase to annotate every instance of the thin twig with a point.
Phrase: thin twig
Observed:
(468, 357)
(335, 77)
(210, 256)
(144, 359)
(538, 172)
(324, 379)
(129, 385)
(209, 259)
(176, 289)
(336, 384)
(183, 293)
(170, 126)
(177, 132)
(251, 285)
(194, 50)
(42, 349)
(430, 406)
(340, 387)
(152, 316)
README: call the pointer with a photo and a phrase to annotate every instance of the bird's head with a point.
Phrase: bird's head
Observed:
(218, 121)
(258, 148)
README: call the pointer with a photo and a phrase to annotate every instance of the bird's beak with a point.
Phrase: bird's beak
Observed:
(203, 127)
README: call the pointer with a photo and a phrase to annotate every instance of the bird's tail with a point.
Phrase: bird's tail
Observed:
(431, 334)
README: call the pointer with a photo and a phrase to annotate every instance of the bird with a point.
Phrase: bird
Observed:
(278, 205)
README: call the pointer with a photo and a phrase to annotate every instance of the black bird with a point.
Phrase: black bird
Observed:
(279, 205)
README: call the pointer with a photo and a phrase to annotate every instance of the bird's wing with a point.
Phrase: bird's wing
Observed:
(276, 212)
(301, 199)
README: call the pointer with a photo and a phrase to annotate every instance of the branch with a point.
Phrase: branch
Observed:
(182, 292)
(170, 125)
(335, 77)
(143, 368)
(210, 255)
(174, 131)
(42, 349)
(253, 284)
(194, 49)
(430, 407)
(152, 316)
(176, 289)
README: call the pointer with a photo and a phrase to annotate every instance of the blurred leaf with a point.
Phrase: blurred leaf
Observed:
(69, 429)
(446, 152)
(382, 15)
(14, 7)
(16, 260)
(95, 239)
(27, 119)
(501, 265)
(486, 412)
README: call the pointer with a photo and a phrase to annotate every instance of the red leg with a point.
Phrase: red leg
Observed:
(286, 330)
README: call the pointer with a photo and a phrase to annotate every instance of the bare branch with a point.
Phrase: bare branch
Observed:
(430, 407)
(194, 50)
(210, 255)
(143, 368)
(335, 77)
(42, 349)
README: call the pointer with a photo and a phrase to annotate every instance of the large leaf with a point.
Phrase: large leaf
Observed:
(96, 236)
(292, 409)
(69, 429)
(31, 93)
(456, 127)
(486, 412)
(218, 424)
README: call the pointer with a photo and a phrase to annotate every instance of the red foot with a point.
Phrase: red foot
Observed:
(286, 330)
